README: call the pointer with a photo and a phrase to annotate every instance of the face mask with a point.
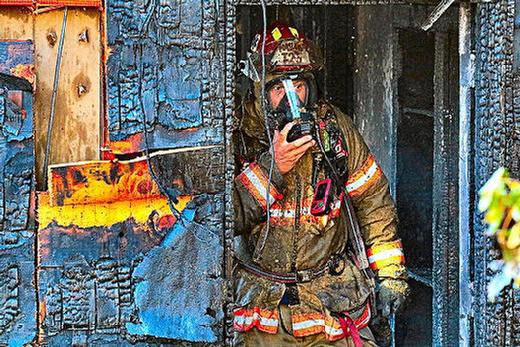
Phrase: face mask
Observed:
(290, 104)
(286, 111)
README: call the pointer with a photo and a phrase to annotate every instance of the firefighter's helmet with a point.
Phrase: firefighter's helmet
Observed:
(286, 50)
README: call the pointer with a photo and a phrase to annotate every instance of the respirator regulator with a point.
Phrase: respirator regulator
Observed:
(291, 107)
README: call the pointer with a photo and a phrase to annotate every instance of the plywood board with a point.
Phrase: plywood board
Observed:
(104, 181)
(76, 131)
(16, 23)
(104, 262)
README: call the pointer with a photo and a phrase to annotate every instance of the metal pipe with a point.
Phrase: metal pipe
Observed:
(53, 98)
(436, 14)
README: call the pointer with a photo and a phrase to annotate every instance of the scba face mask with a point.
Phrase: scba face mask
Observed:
(293, 102)
(295, 105)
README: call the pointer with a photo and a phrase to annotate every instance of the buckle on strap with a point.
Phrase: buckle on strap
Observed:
(305, 275)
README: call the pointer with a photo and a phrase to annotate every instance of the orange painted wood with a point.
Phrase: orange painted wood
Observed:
(82, 3)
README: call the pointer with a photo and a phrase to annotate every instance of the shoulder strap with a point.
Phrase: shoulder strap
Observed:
(338, 166)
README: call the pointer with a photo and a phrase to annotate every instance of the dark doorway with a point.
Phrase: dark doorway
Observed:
(415, 140)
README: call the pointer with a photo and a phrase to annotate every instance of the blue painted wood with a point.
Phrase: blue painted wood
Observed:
(15, 53)
(138, 278)
(17, 293)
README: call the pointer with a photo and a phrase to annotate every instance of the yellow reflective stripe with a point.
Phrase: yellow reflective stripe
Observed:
(263, 320)
(396, 252)
(385, 254)
(255, 182)
(364, 177)
(388, 261)
(384, 247)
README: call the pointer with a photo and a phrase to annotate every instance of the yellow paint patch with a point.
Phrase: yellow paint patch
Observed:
(104, 214)
(101, 182)
(294, 32)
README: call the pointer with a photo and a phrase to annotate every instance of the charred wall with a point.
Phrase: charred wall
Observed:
(135, 249)
(126, 250)
(17, 237)
(497, 144)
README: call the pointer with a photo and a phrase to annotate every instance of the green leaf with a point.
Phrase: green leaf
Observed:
(495, 215)
(513, 241)
(492, 189)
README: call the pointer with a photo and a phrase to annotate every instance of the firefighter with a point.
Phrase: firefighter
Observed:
(315, 223)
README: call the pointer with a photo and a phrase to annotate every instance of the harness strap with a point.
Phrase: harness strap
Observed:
(349, 328)
(287, 278)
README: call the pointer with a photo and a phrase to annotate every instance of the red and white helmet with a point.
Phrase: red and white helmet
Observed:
(286, 50)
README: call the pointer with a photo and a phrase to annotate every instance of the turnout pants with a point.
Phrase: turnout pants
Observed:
(256, 338)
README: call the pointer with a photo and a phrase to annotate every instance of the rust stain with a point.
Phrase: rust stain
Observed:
(81, 85)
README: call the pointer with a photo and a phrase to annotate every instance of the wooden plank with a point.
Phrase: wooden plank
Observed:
(16, 23)
(467, 83)
(160, 75)
(76, 130)
(104, 181)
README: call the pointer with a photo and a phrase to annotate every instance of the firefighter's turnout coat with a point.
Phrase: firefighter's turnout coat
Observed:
(298, 240)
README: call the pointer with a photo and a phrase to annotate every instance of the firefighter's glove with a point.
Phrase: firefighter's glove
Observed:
(391, 295)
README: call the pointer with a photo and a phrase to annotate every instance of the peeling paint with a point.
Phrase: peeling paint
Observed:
(156, 211)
